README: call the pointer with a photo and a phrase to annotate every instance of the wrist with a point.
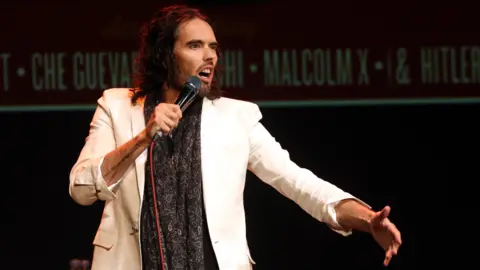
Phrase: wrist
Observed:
(353, 214)
(145, 137)
(367, 220)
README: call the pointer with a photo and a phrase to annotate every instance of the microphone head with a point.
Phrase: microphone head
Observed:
(190, 91)
(195, 83)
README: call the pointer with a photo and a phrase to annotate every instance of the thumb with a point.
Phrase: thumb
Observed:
(379, 216)
(385, 212)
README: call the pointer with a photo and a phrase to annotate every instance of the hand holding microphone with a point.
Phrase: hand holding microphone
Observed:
(165, 116)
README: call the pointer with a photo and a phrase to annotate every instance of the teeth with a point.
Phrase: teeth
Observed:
(207, 70)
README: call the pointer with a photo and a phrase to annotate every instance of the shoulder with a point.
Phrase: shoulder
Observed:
(113, 97)
(117, 94)
(230, 104)
(245, 111)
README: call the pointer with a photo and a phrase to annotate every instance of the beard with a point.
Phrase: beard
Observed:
(181, 78)
(204, 90)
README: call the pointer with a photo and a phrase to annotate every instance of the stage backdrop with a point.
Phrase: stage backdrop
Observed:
(66, 54)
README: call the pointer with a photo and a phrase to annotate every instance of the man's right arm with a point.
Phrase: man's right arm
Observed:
(101, 164)
(116, 163)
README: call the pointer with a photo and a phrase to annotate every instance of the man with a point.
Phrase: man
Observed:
(175, 200)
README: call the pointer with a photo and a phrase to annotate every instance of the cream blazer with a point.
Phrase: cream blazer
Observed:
(232, 142)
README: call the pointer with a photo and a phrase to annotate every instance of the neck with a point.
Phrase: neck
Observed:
(170, 94)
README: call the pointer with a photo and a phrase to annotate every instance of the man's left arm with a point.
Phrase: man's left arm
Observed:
(327, 203)
(340, 210)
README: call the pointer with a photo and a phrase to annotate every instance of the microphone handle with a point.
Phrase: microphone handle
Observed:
(160, 134)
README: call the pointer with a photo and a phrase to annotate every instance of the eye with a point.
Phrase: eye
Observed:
(194, 46)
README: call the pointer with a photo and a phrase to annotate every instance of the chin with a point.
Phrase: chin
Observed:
(204, 91)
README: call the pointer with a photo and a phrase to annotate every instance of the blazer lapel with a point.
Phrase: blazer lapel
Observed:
(209, 132)
(138, 124)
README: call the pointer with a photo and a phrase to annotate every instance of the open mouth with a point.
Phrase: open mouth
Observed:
(206, 74)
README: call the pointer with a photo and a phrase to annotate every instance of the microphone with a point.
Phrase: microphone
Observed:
(189, 92)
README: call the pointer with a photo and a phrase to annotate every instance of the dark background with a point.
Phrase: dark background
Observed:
(419, 159)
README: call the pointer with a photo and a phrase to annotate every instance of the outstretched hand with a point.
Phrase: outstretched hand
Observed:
(385, 233)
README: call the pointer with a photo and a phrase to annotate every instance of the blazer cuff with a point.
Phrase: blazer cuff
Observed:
(332, 215)
(104, 192)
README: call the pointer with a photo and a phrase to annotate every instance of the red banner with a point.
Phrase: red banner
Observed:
(62, 54)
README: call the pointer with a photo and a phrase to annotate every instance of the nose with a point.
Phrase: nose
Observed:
(209, 55)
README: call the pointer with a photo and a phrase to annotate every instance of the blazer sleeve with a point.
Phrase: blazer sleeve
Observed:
(272, 164)
(86, 181)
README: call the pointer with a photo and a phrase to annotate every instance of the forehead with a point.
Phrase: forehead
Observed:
(195, 29)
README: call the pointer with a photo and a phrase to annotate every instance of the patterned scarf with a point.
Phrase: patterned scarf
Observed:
(178, 189)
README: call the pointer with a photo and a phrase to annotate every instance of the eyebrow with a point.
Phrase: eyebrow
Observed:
(198, 41)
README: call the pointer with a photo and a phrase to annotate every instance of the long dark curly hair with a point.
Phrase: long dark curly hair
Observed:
(156, 65)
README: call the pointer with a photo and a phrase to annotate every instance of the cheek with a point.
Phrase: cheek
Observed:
(183, 60)
(191, 63)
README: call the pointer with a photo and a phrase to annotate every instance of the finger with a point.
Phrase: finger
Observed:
(397, 237)
(388, 257)
(395, 248)
(178, 111)
(172, 114)
(168, 122)
(165, 129)
(174, 111)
